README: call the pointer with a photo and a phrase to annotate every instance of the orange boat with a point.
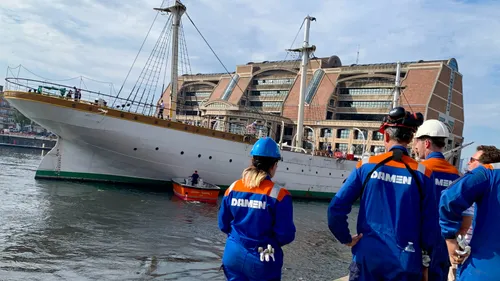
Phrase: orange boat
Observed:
(202, 191)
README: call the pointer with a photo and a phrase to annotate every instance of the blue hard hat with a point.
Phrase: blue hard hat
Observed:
(266, 147)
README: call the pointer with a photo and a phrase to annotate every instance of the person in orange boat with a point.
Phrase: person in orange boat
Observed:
(257, 216)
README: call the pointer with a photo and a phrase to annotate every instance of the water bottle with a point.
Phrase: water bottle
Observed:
(410, 248)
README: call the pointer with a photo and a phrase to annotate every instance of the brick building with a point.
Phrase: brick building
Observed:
(344, 104)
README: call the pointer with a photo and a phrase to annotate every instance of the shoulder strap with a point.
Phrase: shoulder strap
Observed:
(397, 155)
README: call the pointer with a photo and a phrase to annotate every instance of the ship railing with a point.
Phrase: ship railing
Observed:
(104, 100)
(67, 92)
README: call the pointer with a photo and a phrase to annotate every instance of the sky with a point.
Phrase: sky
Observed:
(99, 40)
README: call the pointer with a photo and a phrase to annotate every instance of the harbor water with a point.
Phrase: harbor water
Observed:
(59, 230)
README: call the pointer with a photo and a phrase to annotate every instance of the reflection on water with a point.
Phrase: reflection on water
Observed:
(58, 230)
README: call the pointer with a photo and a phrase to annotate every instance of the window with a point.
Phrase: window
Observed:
(191, 103)
(360, 117)
(332, 103)
(377, 149)
(377, 136)
(343, 133)
(365, 91)
(325, 133)
(312, 87)
(230, 87)
(329, 115)
(279, 93)
(341, 147)
(283, 81)
(360, 136)
(365, 104)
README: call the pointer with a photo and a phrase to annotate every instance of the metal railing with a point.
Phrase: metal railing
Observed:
(61, 91)
(86, 96)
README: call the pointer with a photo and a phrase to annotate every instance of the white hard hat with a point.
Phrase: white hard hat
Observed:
(433, 128)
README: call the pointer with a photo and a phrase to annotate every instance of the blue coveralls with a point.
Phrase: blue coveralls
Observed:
(444, 174)
(254, 218)
(482, 186)
(392, 212)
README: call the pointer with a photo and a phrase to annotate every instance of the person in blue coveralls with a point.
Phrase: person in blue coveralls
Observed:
(397, 222)
(257, 215)
(480, 186)
(430, 140)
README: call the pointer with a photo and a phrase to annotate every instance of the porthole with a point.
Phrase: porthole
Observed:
(168, 124)
(185, 128)
(210, 157)
(316, 172)
(329, 174)
(156, 122)
(213, 133)
(182, 152)
(287, 168)
(135, 118)
(157, 148)
(135, 148)
(73, 105)
(122, 115)
(302, 171)
(199, 155)
(197, 130)
(230, 160)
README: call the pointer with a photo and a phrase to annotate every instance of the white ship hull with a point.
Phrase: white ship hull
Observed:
(95, 146)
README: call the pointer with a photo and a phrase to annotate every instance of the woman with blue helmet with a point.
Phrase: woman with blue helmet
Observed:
(257, 216)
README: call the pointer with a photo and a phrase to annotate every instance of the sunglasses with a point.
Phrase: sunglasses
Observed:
(472, 160)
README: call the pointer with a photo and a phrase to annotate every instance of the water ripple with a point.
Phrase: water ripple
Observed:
(60, 230)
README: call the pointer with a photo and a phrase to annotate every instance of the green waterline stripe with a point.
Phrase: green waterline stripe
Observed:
(45, 174)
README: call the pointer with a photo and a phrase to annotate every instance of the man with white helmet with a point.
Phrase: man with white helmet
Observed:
(430, 140)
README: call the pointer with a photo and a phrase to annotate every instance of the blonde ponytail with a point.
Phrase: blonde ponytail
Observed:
(252, 177)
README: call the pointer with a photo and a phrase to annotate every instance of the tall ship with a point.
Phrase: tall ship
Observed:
(139, 137)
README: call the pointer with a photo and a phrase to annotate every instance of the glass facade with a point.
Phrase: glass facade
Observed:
(230, 87)
(313, 85)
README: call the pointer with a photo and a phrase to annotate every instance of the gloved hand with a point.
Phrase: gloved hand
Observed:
(265, 254)
(426, 259)
(464, 246)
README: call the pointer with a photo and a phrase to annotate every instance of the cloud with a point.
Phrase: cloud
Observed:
(100, 39)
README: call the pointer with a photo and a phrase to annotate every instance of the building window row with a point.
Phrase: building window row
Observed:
(284, 81)
(365, 104)
(193, 103)
(274, 104)
(365, 91)
(360, 117)
(203, 94)
(279, 93)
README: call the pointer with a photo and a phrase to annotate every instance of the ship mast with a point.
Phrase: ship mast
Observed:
(305, 50)
(397, 86)
(177, 10)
